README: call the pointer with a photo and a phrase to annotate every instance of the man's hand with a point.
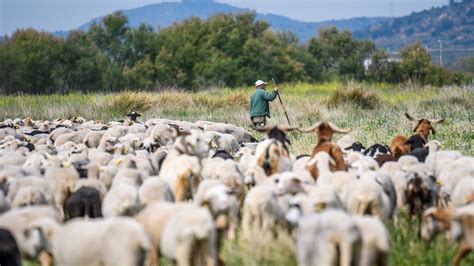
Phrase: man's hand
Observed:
(275, 89)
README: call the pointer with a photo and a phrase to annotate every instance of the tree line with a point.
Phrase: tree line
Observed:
(225, 50)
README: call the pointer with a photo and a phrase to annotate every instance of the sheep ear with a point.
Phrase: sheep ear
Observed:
(411, 118)
(205, 203)
(337, 129)
(310, 129)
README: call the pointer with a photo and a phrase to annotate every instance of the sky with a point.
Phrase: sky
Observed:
(53, 15)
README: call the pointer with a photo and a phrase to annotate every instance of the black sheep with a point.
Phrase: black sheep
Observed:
(223, 154)
(9, 252)
(84, 202)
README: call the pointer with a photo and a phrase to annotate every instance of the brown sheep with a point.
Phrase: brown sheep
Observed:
(324, 131)
(401, 145)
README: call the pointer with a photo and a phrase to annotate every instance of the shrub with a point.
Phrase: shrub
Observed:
(354, 95)
(127, 101)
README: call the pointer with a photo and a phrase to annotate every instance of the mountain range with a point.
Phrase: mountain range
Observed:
(452, 24)
(164, 14)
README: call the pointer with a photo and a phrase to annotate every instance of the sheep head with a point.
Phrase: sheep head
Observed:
(324, 130)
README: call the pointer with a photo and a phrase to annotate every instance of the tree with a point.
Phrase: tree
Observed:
(110, 37)
(416, 62)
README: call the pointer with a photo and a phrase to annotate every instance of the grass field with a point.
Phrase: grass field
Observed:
(373, 112)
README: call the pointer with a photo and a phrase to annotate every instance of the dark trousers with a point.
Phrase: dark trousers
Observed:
(259, 121)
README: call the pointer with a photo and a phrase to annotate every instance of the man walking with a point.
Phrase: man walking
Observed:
(259, 107)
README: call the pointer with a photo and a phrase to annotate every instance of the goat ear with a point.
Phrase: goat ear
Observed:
(433, 130)
(337, 129)
(411, 118)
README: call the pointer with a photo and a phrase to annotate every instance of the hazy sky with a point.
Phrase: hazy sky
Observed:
(52, 15)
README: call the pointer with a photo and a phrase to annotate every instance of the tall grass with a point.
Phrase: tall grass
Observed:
(306, 104)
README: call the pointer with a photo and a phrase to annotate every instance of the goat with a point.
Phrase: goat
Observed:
(401, 145)
(324, 131)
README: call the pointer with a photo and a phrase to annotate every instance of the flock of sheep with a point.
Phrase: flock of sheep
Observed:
(81, 192)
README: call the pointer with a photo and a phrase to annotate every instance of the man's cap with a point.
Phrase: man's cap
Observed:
(259, 83)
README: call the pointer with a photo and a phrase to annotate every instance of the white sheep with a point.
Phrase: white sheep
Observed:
(365, 196)
(61, 178)
(227, 171)
(112, 241)
(463, 192)
(223, 204)
(190, 237)
(183, 174)
(156, 216)
(261, 212)
(246, 157)
(272, 157)
(121, 200)
(36, 186)
(224, 142)
(18, 220)
(329, 238)
(375, 246)
(154, 189)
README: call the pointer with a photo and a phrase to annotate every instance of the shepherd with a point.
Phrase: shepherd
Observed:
(259, 107)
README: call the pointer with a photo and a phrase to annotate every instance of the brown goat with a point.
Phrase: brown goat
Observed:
(324, 131)
(401, 145)
(437, 220)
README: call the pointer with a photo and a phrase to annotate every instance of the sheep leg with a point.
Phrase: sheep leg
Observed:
(154, 257)
(184, 253)
(463, 249)
(45, 259)
(246, 221)
(180, 188)
(208, 252)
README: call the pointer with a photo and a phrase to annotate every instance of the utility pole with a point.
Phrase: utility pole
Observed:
(440, 52)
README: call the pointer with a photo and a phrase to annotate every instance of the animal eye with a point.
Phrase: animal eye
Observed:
(277, 180)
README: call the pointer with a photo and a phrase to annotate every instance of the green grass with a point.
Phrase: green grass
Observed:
(306, 104)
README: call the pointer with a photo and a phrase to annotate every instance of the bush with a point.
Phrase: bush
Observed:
(126, 102)
(354, 95)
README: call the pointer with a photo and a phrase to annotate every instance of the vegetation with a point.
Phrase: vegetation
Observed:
(306, 104)
(225, 50)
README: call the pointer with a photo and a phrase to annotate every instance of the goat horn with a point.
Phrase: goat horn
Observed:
(337, 129)
(411, 118)
(310, 129)
(288, 128)
(263, 129)
(436, 121)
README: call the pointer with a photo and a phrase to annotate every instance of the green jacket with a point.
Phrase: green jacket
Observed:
(259, 102)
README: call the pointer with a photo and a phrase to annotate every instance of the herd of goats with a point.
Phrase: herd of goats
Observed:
(79, 192)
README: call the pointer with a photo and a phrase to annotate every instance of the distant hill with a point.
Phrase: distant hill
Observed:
(164, 14)
(452, 24)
